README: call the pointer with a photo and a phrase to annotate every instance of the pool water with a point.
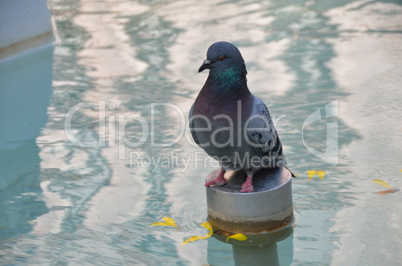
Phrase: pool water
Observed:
(94, 145)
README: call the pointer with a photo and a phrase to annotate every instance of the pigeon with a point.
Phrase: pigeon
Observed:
(231, 124)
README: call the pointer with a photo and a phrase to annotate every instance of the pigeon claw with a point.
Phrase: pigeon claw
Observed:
(215, 182)
(248, 185)
(218, 181)
(248, 188)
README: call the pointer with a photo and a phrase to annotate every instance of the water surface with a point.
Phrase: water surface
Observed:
(75, 193)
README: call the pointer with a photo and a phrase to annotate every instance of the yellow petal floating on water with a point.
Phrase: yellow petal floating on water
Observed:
(167, 222)
(191, 239)
(206, 225)
(321, 174)
(310, 174)
(382, 183)
(239, 237)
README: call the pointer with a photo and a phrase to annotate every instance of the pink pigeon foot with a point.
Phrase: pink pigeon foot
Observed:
(219, 181)
(248, 185)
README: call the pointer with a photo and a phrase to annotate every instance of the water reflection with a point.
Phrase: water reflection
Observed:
(291, 41)
(274, 248)
(132, 54)
(25, 91)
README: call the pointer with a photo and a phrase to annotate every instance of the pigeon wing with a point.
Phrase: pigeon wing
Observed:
(261, 132)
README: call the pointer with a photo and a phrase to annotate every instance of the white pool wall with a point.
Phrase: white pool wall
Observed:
(25, 25)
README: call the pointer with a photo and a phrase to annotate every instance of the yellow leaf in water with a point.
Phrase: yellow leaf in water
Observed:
(206, 225)
(382, 183)
(168, 222)
(310, 174)
(239, 237)
(191, 239)
(321, 174)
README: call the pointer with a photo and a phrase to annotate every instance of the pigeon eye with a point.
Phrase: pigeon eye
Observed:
(222, 57)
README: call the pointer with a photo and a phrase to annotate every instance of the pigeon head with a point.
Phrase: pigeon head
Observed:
(224, 59)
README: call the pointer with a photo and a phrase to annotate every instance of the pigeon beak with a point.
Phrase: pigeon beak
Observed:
(204, 65)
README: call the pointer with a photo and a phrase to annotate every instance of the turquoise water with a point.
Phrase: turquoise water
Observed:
(92, 150)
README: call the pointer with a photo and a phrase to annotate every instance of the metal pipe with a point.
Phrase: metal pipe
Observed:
(265, 215)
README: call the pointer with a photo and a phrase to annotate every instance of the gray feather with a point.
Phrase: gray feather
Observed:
(261, 131)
